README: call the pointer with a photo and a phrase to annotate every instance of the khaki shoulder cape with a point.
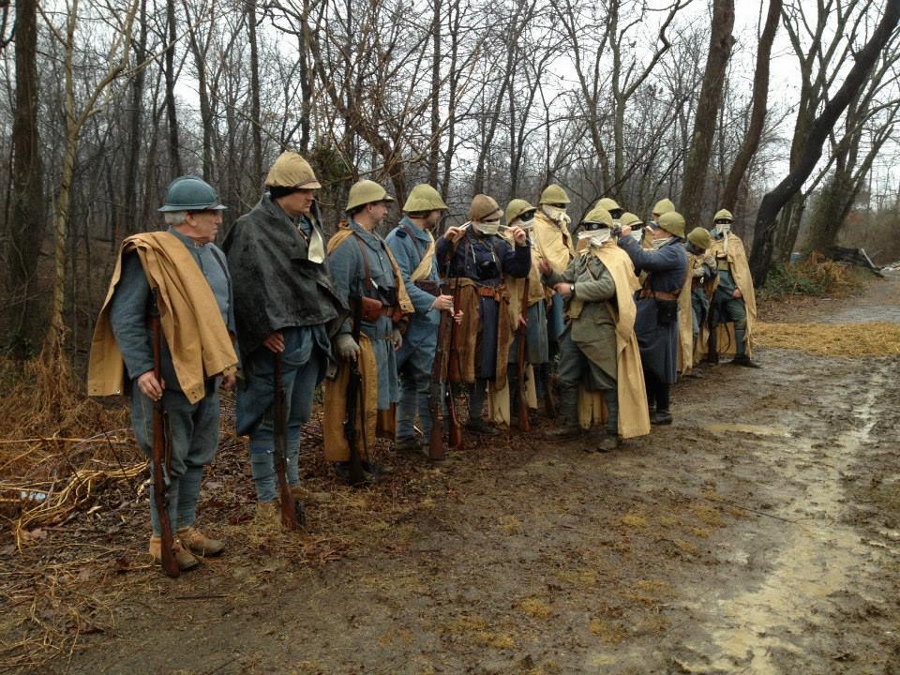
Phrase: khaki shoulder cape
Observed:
(634, 415)
(371, 423)
(192, 324)
(553, 242)
(740, 270)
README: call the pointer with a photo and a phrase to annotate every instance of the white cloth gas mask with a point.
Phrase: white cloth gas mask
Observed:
(722, 229)
(556, 214)
(600, 237)
(487, 227)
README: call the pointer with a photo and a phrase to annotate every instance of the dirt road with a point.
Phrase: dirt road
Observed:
(758, 534)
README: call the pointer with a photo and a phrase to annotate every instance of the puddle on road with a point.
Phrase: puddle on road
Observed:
(820, 558)
(756, 429)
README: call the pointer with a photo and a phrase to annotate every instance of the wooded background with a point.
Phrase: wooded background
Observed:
(106, 102)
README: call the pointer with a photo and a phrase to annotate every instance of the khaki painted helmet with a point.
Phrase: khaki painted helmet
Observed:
(366, 192)
(609, 204)
(600, 215)
(673, 223)
(723, 216)
(516, 209)
(191, 193)
(290, 170)
(554, 194)
(424, 198)
(484, 207)
(700, 238)
(663, 206)
(628, 219)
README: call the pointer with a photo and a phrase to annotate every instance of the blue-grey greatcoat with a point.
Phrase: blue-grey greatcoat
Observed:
(666, 268)
(349, 275)
(415, 359)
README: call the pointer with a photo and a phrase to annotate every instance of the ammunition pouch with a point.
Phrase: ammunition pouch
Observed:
(666, 311)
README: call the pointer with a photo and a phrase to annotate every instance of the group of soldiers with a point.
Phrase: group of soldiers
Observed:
(513, 312)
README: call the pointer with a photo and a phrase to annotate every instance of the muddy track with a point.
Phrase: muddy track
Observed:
(758, 534)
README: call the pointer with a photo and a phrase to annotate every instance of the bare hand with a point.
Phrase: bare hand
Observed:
(544, 266)
(458, 317)
(624, 231)
(274, 342)
(563, 288)
(522, 321)
(737, 294)
(228, 381)
(443, 303)
(150, 386)
(518, 234)
(453, 233)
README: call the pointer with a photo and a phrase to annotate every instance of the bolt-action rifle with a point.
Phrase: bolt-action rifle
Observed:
(438, 384)
(356, 475)
(161, 456)
(454, 432)
(290, 516)
(521, 351)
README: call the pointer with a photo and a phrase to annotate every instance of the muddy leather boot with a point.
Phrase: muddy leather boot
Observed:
(184, 558)
(741, 358)
(568, 413)
(197, 542)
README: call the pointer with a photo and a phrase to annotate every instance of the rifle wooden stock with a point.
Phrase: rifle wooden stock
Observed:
(521, 351)
(356, 475)
(279, 433)
(454, 431)
(438, 382)
(161, 456)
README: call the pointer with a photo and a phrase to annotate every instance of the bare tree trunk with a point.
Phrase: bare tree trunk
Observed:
(720, 44)
(434, 149)
(135, 133)
(27, 224)
(172, 113)
(764, 234)
(255, 128)
(758, 108)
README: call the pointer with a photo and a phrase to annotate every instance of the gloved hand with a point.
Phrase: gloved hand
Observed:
(397, 339)
(346, 347)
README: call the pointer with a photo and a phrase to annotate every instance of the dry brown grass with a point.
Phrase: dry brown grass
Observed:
(863, 339)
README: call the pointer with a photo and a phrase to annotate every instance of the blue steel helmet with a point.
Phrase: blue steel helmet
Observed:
(191, 193)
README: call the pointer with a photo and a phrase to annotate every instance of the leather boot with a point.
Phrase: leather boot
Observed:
(199, 543)
(184, 558)
(568, 411)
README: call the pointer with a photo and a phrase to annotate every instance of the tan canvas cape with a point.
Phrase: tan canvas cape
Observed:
(423, 271)
(552, 242)
(192, 324)
(740, 270)
(378, 423)
(466, 335)
(634, 415)
(403, 300)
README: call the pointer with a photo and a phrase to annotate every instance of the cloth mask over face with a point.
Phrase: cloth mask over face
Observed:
(722, 230)
(489, 227)
(637, 234)
(600, 237)
(556, 214)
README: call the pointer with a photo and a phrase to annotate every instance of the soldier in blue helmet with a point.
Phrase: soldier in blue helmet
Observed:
(181, 277)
